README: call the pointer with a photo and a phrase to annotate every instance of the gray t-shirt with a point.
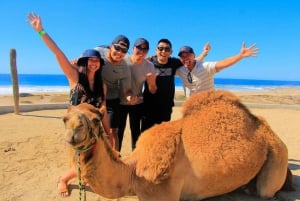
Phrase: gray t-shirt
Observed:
(138, 78)
(117, 77)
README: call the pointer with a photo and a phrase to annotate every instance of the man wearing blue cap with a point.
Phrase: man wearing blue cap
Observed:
(198, 76)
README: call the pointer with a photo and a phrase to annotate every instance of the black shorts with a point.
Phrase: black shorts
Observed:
(113, 111)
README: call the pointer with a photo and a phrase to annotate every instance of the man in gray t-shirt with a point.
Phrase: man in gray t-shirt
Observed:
(142, 71)
(116, 76)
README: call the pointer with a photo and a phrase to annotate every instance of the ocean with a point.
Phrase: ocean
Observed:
(33, 83)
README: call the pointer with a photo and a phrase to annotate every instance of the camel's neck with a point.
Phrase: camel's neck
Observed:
(105, 173)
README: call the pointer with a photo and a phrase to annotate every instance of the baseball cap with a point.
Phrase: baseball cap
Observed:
(186, 49)
(122, 40)
(141, 41)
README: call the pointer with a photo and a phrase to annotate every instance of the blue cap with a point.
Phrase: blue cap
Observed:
(186, 49)
(141, 41)
(87, 54)
(122, 40)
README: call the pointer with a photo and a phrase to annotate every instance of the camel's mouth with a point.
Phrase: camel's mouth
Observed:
(83, 147)
(75, 145)
(81, 143)
(75, 140)
(79, 147)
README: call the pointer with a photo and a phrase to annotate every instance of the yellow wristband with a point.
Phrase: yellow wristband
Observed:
(41, 33)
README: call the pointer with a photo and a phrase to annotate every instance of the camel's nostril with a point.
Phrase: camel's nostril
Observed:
(73, 140)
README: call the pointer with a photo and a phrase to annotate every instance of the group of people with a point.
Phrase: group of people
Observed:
(133, 85)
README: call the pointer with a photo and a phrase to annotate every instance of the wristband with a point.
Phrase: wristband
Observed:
(41, 33)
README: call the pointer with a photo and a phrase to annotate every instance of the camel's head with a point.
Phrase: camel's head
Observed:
(83, 125)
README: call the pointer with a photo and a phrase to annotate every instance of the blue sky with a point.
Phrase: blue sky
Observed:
(82, 24)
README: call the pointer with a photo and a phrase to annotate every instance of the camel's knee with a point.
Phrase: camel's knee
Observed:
(267, 188)
(271, 178)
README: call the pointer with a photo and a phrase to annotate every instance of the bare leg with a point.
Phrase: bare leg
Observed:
(62, 184)
(114, 133)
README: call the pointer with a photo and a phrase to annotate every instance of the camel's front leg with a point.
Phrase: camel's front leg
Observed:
(165, 191)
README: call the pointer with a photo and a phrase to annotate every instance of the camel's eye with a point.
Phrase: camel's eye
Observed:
(79, 126)
(96, 121)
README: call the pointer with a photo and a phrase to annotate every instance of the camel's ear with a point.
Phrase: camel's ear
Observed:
(65, 118)
(102, 111)
(67, 115)
(71, 107)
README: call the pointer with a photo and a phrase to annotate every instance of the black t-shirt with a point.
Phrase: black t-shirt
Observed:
(164, 81)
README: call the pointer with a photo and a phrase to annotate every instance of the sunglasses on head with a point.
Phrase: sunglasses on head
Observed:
(189, 77)
(120, 49)
(167, 49)
(142, 49)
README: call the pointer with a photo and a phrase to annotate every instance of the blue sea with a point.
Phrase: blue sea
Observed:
(33, 83)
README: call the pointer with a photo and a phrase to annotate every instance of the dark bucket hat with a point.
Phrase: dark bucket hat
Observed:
(90, 53)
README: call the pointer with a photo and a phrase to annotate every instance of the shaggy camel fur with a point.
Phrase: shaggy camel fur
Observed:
(216, 147)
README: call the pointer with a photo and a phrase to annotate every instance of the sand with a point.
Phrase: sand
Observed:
(34, 153)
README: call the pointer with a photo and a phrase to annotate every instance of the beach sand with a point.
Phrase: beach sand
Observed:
(34, 153)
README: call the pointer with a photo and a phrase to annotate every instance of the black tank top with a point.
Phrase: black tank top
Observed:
(82, 93)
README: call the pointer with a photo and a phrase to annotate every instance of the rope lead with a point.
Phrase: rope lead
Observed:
(81, 186)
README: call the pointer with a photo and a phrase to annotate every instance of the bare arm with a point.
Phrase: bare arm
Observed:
(106, 127)
(71, 73)
(151, 81)
(251, 51)
(105, 121)
(205, 52)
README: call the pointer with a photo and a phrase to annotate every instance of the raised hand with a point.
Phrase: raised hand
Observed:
(35, 21)
(206, 48)
(251, 51)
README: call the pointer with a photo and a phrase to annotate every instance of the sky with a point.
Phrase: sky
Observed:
(83, 24)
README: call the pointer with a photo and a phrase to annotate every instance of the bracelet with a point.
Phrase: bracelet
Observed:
(41, 33)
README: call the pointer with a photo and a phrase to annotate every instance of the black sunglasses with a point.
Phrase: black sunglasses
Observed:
(120, 49)
(167, 49)
(189, 77)
(142, 49)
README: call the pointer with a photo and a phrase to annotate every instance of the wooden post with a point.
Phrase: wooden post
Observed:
(14, 77)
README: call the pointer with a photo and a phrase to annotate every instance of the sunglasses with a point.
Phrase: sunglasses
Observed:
(142, 49)
(189, 78)
(120, 49)
(167, 49)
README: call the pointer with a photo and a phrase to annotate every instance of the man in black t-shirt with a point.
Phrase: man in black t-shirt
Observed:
(158, 106)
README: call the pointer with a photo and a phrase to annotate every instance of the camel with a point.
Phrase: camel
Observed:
(216, 147)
